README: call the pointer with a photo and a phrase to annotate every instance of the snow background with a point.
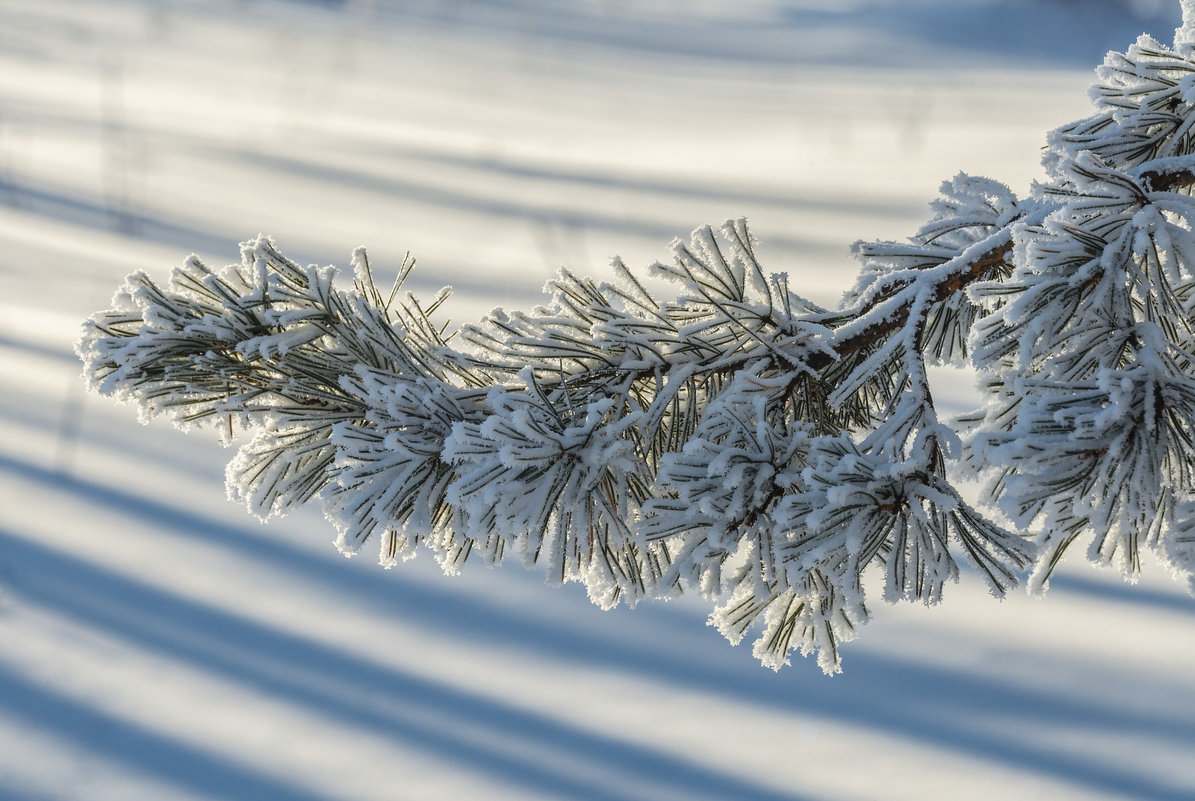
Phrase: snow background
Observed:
(157, 643)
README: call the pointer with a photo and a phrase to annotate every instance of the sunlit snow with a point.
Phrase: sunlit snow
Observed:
(157, 643)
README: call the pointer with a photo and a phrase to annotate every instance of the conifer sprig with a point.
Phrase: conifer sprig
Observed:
(739, 442)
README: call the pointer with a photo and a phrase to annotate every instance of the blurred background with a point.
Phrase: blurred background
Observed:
(157, 643)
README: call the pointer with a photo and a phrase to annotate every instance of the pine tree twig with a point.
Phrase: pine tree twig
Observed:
(739, 441)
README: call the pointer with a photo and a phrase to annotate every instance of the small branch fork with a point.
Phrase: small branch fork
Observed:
(984, 267)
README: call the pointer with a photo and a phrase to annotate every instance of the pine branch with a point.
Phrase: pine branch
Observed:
(739, 441)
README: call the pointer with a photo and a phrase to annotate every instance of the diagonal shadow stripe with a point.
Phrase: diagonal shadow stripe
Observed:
(134, 746)
(447, 722)
(911, 700)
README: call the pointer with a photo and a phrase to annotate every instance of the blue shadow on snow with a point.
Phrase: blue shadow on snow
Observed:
(944, 708)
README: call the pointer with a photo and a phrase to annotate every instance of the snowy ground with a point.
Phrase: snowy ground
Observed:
(158, 644)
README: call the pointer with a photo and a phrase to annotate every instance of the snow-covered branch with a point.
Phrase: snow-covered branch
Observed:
(782, 460)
